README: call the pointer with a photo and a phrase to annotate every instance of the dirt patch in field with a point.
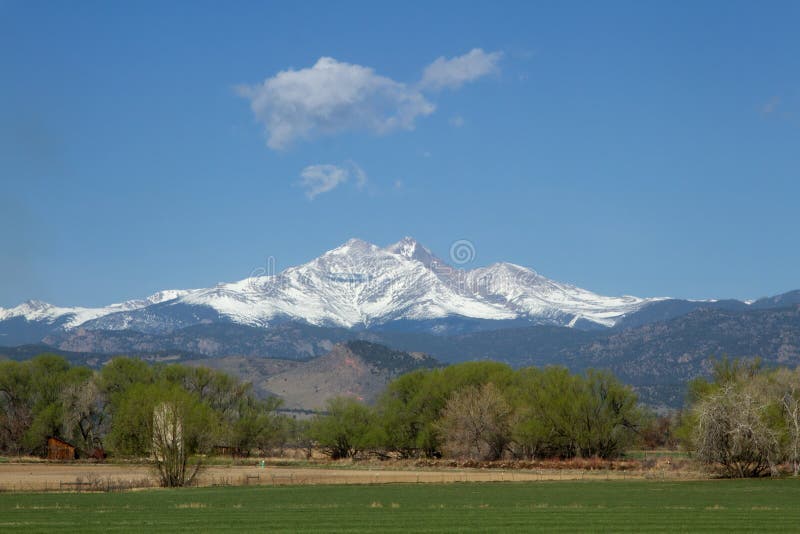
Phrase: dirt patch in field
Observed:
(102, 477)
(49, 476)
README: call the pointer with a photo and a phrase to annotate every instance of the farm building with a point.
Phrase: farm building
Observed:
(58, 449)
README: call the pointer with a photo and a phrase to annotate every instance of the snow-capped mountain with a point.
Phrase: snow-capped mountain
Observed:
(357, 285)
(70, 317)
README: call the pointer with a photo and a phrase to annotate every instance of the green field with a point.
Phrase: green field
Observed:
(749, 505)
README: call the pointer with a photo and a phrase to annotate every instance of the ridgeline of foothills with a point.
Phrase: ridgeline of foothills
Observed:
(745, 421)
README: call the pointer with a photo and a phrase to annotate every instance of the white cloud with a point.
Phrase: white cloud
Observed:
(453, 73)
(771, 106)
(332, 97)
(360, 175)
(318, 179)
(457, 121)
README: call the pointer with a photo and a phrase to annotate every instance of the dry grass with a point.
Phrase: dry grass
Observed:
(42, 476)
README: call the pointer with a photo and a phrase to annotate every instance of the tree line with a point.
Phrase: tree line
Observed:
(486, 411)
(113, 408)
(481, 410)
(744, 420)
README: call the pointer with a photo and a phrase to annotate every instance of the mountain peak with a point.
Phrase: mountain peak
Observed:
(351, 247)
(35, 305)
(166, 295)
(33, 310)
(354, 245)
(410, 248)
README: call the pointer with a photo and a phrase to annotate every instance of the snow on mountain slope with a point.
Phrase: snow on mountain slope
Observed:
(70, 317)
(357, 284)
(408, 247)
(360, 284)
(532, 295)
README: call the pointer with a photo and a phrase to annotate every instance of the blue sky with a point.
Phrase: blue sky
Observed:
(646, 148)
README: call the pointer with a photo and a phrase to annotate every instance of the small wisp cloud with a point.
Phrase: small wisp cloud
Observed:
(322, 178)
(453, 73)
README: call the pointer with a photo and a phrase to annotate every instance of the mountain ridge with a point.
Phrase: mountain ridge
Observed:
(355, 285)
(361, 286)
(656, 358)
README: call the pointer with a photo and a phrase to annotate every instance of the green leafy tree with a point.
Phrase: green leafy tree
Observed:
(131, 432)
(256, 425)
(16, 406)
(34, 396)
(167, 423)
(608, 416)
(410, 408)
(347, 429)
(560, 414)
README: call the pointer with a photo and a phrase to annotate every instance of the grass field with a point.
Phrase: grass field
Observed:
(750, 505)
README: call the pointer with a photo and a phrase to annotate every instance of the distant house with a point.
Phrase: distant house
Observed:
(58, 449)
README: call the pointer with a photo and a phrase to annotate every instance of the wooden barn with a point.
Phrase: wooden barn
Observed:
(58, 449)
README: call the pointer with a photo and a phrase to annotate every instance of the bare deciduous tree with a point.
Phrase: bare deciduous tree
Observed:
(789, 383)
(84, 419)
(732, 432)
(476, 423)
(169, 450)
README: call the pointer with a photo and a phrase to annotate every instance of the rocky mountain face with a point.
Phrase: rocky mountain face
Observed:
(680, 349)
(357, 369)
(656, 357)
(290, 340)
